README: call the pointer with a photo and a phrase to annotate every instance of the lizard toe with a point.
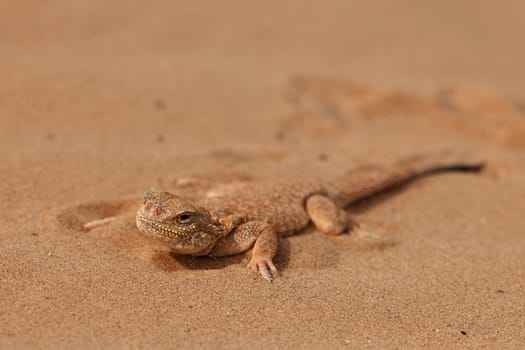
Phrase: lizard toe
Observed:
(264, 266)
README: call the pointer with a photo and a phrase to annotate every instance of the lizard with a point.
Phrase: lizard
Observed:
(254, 216)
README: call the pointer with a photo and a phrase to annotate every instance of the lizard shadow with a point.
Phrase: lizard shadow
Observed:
(169, 261)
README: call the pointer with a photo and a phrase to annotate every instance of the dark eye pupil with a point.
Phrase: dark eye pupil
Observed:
(184, 217)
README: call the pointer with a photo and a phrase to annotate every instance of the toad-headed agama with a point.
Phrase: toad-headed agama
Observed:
(255, 215)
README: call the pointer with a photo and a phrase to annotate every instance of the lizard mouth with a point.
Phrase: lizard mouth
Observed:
(180, 243)
(156, 228)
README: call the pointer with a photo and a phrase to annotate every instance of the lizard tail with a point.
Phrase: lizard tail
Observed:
(366, 181)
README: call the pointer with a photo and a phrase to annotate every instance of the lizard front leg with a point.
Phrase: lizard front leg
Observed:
(98, 222)
(258, 234)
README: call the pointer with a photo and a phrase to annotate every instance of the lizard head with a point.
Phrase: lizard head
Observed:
(184, 227)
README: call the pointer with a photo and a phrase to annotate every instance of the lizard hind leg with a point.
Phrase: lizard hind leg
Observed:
(326, 215)
(332, 220)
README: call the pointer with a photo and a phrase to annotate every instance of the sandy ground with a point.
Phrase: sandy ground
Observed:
(100, 101)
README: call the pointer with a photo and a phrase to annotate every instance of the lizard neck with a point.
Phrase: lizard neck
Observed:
(215, 230)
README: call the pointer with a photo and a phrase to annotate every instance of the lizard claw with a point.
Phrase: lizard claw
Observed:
(264, 266)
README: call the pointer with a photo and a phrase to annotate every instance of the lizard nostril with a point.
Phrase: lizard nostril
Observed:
(149, 205)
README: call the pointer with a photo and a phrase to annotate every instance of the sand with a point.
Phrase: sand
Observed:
(100, 101)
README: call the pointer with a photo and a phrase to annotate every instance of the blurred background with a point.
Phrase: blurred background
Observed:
(76, 74)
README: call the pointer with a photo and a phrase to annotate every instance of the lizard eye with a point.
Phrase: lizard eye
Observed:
(183, 218)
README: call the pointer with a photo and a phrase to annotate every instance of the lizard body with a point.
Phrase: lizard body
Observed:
(255, 215)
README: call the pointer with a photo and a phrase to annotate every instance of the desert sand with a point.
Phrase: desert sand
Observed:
(101, 101)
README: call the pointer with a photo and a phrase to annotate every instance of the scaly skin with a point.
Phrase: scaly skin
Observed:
(254, 215)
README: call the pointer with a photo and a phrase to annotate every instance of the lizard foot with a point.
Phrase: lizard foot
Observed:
(264, 266)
